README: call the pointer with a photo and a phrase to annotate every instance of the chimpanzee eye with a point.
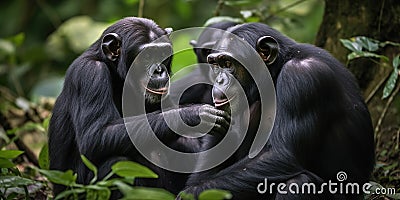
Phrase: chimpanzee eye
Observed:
(216, 68)
(228, 64)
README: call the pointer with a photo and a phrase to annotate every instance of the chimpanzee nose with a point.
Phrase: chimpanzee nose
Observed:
(222, 79)
(158, 71)
(219, 80)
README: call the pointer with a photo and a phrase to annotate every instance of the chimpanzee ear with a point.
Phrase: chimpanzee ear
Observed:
(193, 43)
(169, 30)
(268, 48)
(111, 46)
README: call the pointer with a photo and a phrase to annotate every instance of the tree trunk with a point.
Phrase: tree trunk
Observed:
(379, 20)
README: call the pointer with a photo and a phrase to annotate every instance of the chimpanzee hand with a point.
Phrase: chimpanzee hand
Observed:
(217, 119)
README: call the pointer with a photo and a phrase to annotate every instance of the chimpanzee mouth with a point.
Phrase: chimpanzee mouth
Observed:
(159, 91)
(221, 102)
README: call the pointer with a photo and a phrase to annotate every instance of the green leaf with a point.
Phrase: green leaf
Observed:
(97, 192)
(214, 20)
(90, 165)
(132, 169)
(215, 195)
(383, 44)
(5, 163)
(396, 61)
(123, 187)
(14, 181)
(361, 54)
(186, 196)
(46, 123)
(241, 2)
(6, 47)
(10, 154)
(391, 82)
(367, 43)
(352, 46)
(68, 193)
(67, 178)
(141, 193)
(131, 2)
(101, 192)
(18, 39)
(44, 162)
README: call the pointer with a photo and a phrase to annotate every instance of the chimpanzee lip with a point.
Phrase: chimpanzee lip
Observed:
(159, 91)
(221, 102)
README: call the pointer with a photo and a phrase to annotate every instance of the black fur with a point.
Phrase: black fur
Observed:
(322, 125)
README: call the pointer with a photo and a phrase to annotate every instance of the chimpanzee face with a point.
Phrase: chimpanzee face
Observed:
(150, 51)
(230, 74)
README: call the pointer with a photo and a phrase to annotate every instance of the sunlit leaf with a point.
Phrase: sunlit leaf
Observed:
(77, 33)
(186, 196)
(367, 43)
(131, 2)
(396, 61)
(214, 20)
(67, 193)
(390, 83)
(241, 2)
(100, 193)
(361, 54)
(215, 195)
(6, 47)
(383, 44)
(63, 178)
(246, 13)
(141, 193)
(10, 154)
(132, 169)
(14, 181)
(352, 46)
(89, 165)
(18, 39)
(253, 19)
(46, 123)
(44, 162)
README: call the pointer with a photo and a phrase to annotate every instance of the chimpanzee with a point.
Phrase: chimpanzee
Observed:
(88, 116)
(322, 125)
(201, 92)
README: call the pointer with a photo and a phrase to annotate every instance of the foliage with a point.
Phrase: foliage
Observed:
(12, 181)
(362, 46)
(386, 169)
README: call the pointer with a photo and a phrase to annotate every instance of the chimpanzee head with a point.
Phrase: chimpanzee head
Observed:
(207, 39)
(268, 43)
(130, 37)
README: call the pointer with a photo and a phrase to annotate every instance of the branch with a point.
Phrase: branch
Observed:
(388, 103)
(141, 8)
(219, 7)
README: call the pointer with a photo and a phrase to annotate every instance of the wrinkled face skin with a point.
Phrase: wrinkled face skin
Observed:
(230, 78)
(155, 59)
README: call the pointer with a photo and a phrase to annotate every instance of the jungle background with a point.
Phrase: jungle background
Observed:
(40, 38)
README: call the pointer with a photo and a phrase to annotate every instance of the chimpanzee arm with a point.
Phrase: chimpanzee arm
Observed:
(100, 131)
